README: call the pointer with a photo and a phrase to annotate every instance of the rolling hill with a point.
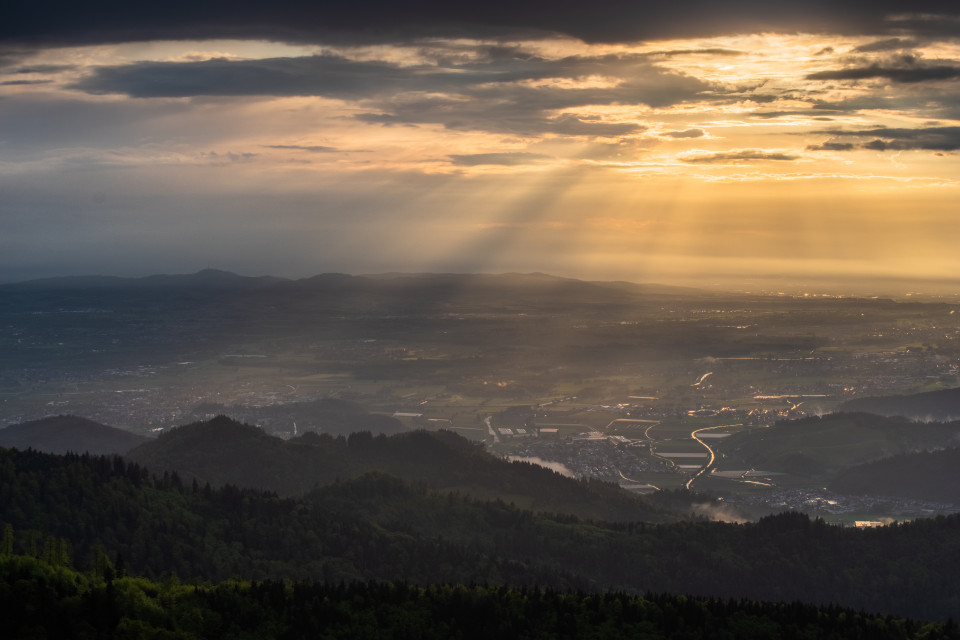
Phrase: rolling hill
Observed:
(818, 448)
(222, 451)
(925, 475)
(930, 405)
(327, 415)
(60, 434)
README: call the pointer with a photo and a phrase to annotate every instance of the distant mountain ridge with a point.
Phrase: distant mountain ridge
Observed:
(392, 288)
(205, 277)
(223, 451)
(60, 434)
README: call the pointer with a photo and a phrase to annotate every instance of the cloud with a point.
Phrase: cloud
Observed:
(688, 133)
(45, 68)
(229, 157)
(299, 147)
(713, 51)
(504, 89)
(524, 119)
(320, 75)
(527, 100)
(737, 155)
(879, 144)
(329, 75)
(508, 159)
(11, 57)
(890, 44)
(831, 146)
(933, 102)
(908, 70)
(68, 22)
(894, 139)
(822, 113)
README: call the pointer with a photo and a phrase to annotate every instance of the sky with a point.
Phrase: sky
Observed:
(684, 142)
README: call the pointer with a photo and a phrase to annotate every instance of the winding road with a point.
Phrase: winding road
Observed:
(713, 457)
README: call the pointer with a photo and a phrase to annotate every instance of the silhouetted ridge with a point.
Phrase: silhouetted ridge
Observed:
(820, 447)
(223, 451)
(60, 434)
(327, 415)
(937, 405)
(925, 475)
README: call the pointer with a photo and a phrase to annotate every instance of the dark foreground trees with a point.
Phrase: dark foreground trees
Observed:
(44, 600)
(109, 517)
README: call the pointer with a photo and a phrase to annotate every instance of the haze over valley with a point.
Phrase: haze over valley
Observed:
(645, 386)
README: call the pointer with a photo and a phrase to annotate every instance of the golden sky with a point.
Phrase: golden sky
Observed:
(701, 159)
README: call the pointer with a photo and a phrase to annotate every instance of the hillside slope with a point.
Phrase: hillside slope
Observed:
(931, 405)
(60, 434)
(223, 451)
(925, 475)
(822, 447)
(93, 511)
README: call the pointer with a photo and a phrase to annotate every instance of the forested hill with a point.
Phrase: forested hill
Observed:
(325, 415)
(924, 475)
(943, 404)
(821, 447)
(223, 451)
(60, 434)
(93, 512)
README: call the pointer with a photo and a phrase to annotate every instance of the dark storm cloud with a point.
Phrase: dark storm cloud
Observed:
(45, 22)
(738, 156)
(501, 159)
(900, 139)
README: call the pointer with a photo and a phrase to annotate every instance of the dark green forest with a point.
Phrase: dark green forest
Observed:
(106, 515)
(223, 451)
(920, 475)
(50, 600)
